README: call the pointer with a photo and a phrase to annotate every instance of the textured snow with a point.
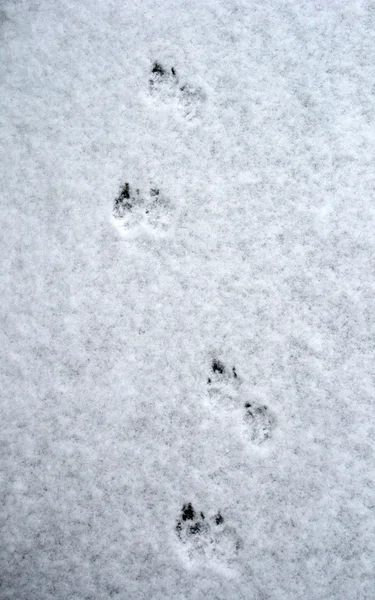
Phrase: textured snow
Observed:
(213, 349)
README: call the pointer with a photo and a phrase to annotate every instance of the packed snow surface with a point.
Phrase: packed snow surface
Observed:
(187, 300)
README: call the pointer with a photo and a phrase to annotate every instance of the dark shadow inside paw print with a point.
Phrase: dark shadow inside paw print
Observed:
(195, 528)
(220, 373)
(192, 523)
(157, 68)
(164, 85)
(160, 73)
(124, 201)
(217, 367)
(154, 192)
(209, 538)
(188, 512)
(149, 210)
(219, 519)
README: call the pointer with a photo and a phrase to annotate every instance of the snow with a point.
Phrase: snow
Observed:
(256, 253)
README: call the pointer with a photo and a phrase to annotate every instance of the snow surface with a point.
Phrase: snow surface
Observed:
(132, 343)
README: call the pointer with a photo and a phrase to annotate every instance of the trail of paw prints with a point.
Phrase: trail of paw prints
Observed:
(149, 212)
(224, 386)
(209, 538)
(164, 86)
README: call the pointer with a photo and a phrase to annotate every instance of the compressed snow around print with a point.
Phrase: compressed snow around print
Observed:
(187, 305)
(204, 539)
(136, 212)
(165, 87)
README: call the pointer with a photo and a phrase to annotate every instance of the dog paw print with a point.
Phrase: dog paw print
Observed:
(208, 538)
(224, 389)
(163, 82)
(164, 85)
(191, 101)
(260, 421)
(150, 212)
(222, 378)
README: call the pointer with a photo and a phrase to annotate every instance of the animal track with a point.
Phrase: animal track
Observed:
(260, 421)
(224, 385)
(209, 538)
(164, 85)
(222, 378)
(134, 212)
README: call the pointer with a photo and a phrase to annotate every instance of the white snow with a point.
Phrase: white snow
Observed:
(120, 406)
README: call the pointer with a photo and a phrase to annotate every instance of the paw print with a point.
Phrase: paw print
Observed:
(209, 538)
(165, 87)
(163, 82)
(222, 378)
(260, 421)
(224, 389)
(149, 212)
(191, 101)
(124, 202)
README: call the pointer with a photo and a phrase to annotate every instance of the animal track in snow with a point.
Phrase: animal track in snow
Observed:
(224, 386)
(222, 380)
(260, 421)
(164, 85)
(210, 538)
(135, 212)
